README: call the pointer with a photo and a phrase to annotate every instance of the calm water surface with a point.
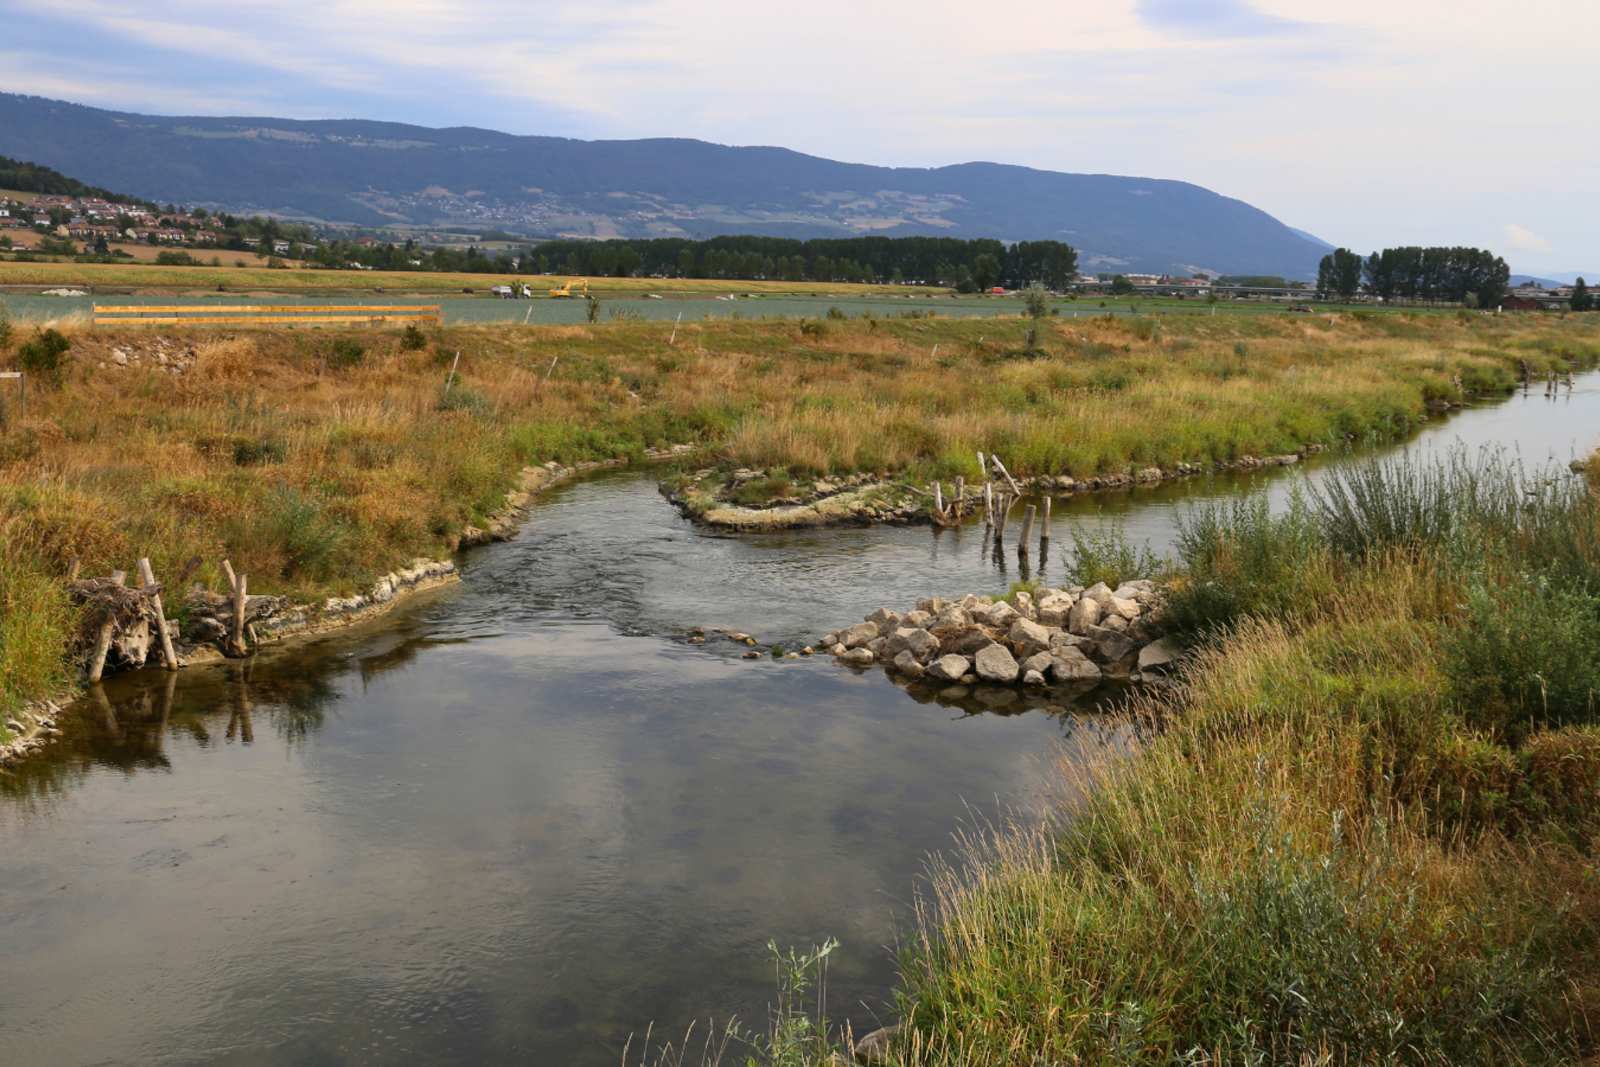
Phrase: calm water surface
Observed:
(525, 817)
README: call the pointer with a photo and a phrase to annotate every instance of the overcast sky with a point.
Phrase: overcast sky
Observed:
(1367, 122)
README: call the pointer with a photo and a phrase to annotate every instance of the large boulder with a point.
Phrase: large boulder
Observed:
(1032, 678)
(1126, 609)
(1039, 661)
(1074, 669)
(885, 620)
(1134, 590)
(1085, 615)
(858, 635)
(1053, 610)
(1028, 637)
(1059, 640)
(995, 664)
(1099, 592)
(966, 642)
(948, 668)
(951, 616)
(972, 602)
(915, 618)
(919, 643)
(1158, 655)
(933, 606)
(907, 664)
(999, 615)
(859, 657)
(1111, 646)
(1023, 602)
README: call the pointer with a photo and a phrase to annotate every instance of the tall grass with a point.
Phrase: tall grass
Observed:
(1367, 831)
(316, 460)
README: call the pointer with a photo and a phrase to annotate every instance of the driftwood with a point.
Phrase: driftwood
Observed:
(118, 623)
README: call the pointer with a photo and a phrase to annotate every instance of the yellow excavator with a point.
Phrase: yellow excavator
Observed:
(566, 290)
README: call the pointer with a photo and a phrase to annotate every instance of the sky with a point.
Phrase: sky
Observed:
(1369, 123)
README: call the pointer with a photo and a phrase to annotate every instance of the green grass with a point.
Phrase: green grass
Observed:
(1368, 833)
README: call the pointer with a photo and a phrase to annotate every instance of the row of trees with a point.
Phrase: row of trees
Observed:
(32, 178)
(1472, 276)
(949, 261)
(966, 265)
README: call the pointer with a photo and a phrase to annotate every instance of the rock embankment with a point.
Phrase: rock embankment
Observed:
(1048, 637)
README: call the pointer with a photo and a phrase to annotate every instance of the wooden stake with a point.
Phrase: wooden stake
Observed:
(988, 505)
(102, 645)
(1044, 534)
(227, 572)
(1027, 528)
(1003, 509)
(938, 499)
(1001, 467)
(236, 639)
(118, 577)
(72, 567)
(188, 571)
(453, 366)
(982, 468)
(147, 580)
(961, 494)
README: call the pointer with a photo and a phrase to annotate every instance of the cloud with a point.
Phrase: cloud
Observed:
(1216, 18)
(1525, 240)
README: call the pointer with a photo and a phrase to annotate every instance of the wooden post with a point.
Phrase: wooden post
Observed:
(982, 467)
(1004, 509)
(1027, 528)
(188, 571)
(961, 494)
(227, 572)
(118, 577)
(988, 505)
(102, 645)
(449, 380)
(1016, 489)
(72, 567)
(147, 580)
(1044, 534)
(236, 638)
(938, 499)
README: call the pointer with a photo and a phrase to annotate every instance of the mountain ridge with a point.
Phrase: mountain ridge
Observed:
(374, 173)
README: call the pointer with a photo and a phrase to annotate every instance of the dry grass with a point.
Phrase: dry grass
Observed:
(256, 275)
(315, 476)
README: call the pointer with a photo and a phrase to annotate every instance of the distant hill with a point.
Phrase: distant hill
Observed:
(387, 174)
(20, 176)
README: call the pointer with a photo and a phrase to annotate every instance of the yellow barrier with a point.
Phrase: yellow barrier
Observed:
(262, 314)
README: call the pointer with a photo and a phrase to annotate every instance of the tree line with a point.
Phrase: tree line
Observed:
(966, 265)
(1475, 277)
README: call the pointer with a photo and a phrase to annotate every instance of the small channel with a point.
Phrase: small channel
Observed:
(525, 817)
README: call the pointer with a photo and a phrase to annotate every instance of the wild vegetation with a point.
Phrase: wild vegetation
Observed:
(317, 460)
(1366, 832)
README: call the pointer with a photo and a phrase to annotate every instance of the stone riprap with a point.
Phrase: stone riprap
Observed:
(754, 500)
(1049, 636)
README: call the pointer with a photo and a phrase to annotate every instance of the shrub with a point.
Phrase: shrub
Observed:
(1526, 654)
(310, 539)
(835, 313)
(462, 397)
(1104, 555)
(253, 451)
(343, 352)
(5, 324)
(45, 355)
(412, 339)
(171, 258)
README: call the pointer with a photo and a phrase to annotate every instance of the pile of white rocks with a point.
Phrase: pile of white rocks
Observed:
(1049, 636)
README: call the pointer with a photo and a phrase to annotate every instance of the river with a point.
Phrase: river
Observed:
(524, 817)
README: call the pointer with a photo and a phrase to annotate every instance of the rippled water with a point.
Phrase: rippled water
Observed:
(524, 817)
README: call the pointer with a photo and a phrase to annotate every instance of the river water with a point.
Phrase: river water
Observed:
(524, 816)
